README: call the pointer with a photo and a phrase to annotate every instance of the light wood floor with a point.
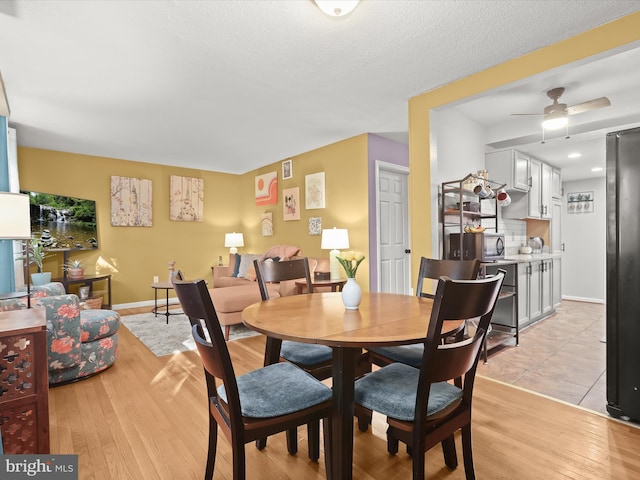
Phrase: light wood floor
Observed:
(146, 418)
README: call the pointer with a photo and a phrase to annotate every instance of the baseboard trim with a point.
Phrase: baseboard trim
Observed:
(583, 299)
(147, 303)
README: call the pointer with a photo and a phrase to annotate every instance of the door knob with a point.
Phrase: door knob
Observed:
(407, 250)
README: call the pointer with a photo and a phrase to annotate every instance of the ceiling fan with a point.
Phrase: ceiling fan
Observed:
(556, 115)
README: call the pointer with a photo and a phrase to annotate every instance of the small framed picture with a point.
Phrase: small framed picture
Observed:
(287, 169)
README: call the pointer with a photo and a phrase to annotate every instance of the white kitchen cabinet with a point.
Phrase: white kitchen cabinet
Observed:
(523, 294)
(546, 287)
(537, 203)
(556, 183)
(557, 283)
(556, 226)
(538, 289)
(510, 167)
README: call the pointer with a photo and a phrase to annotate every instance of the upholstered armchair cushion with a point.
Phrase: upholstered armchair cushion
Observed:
(305, 354)
(277, 389)
(392, 392)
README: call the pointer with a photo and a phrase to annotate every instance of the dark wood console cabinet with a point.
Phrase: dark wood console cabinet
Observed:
(24, 382)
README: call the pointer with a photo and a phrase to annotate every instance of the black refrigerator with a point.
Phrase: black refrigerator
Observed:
(623, 273)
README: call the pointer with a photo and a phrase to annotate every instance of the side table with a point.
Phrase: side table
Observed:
(156, 309)
(336, 285)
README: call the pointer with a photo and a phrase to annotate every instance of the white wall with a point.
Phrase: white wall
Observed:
(458, 146)
(584, 236)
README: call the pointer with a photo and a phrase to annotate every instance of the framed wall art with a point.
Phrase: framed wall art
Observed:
(186, 202)
(314, 191)
(291, 204)
(315, 225)
(580, 202)
(287, 169)
(266, 220)
(267, 189)
(131, 202)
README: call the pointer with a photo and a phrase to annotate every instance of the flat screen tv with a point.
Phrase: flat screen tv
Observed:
(63, 223)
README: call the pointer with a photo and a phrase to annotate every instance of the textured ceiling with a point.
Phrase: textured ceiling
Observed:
(234, 85)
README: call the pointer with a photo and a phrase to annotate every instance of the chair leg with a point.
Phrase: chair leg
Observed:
(328, 456)
(467, 453)
(213, 444)
(364, 417)
(292, 441)
(392, 442)
(313, 438)
(239, 464)
(417, 460)
(261, 443)
(449, 452)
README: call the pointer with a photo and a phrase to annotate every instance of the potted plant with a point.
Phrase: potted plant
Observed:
(74, 268)
(37, 254)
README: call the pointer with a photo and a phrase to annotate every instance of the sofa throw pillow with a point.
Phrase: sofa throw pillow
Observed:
(246, 263)
(284, 252)
(236, 265)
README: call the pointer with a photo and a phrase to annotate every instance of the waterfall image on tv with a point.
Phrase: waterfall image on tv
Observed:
(60, 222)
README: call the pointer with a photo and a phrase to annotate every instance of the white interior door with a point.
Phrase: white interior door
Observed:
(394, 260)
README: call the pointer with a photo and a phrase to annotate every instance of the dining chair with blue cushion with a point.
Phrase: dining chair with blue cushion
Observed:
(272, 399)
(422, 405)
(315, 359)
(430, 269)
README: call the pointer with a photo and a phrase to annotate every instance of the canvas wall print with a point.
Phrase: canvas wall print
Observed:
(267, 189)
(131, 202)
(187, 199)
(291, 204)
(267, 224)
(314, 190)
(315, 225)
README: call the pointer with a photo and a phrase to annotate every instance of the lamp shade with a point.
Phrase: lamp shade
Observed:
(335, 239)
(15, 221)
(233, 240)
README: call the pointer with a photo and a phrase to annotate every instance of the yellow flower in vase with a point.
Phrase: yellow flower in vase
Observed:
(350, 261)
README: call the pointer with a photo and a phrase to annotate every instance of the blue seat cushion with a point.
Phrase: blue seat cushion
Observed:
(408, 354)
(392, 391)
(305, 354)
(277, 389)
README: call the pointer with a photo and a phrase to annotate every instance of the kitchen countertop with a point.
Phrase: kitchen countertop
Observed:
(522, 258)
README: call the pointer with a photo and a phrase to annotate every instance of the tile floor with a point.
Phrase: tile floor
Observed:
(562, 357)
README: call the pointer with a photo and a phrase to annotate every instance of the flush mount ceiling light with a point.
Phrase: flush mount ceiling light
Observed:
(574, 155)
(597, 169)
(337, 8)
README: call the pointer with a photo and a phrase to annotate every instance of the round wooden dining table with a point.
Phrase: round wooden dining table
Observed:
(383, 319)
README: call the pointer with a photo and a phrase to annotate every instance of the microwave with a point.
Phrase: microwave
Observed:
(486, 247)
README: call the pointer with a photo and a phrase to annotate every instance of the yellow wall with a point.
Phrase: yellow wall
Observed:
(607, 37)
(133, 255)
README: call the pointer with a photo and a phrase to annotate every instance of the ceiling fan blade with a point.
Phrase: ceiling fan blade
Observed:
(528, 114)
(590, 105)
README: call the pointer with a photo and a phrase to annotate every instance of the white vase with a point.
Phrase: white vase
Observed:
(351, 294)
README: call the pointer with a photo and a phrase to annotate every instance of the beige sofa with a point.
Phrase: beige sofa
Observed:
(231, 295)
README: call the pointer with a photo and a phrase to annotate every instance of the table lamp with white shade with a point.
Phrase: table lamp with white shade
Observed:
(233, 240)
(334, 239)
(15, 223)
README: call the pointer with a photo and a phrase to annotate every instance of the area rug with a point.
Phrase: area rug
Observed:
(163, 339)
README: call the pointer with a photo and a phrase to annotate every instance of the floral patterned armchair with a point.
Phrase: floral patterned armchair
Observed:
(81, 342)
